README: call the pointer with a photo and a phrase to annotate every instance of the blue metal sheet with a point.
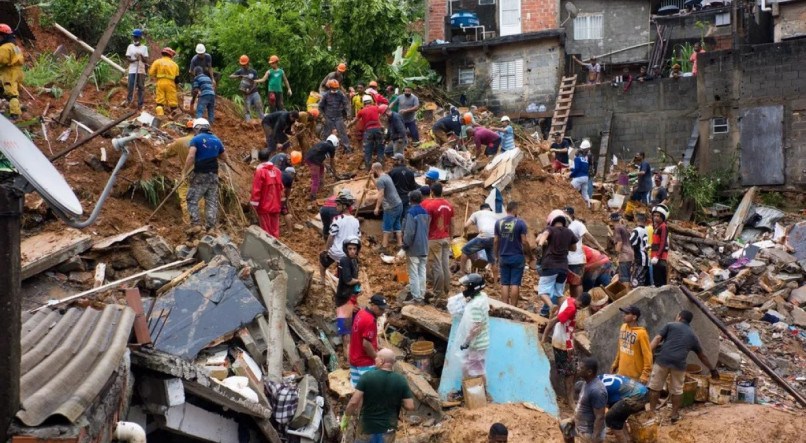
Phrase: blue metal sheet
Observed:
(517, 367)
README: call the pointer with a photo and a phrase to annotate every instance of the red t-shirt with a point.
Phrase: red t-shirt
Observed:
(563, 337)
(369, 116)
(364, 327)
(441, 213)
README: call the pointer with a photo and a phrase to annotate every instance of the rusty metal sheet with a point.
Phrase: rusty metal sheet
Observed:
(212, 303)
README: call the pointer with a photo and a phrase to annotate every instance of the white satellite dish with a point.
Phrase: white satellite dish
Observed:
(572, 11)
(37, 170)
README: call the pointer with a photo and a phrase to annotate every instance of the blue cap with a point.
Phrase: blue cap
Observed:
(137, 33)
(432, 174)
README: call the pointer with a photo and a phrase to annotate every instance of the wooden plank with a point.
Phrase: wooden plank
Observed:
(431, 319)
(515, 313)
(89, 48)
(180, 278)
(123, 5)
(109, 241)
(305, 333)
(604, 146)
(48, 249)
(737, 222)
(134, 301)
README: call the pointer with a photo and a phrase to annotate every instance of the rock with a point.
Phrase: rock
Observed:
(778, 256)
(161, 248)
(730, 357)
(298, 226)
(210, 246)
(121, 260)
(72, 264)
(756, 266)
(799, 317)
(183, 251)
(142, 253)
(81, 277)
(798, 296)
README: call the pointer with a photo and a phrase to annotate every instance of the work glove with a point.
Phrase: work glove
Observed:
(714, 374)
(654, 261)
(344, 422)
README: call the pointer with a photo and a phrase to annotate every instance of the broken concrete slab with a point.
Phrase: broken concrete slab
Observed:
(190, 420)
(156, 280)
(799, 317)
(658, 307)
(729, 356)
(426, 400)
(798, 296)
(517, 366)
(109, 241)
(73, 264)
(48, 249)
(797, 240)
(151, 252)
(433, 320)
(339, 383)
(503, 171)
(210, 304)
(261, 247)
(210, 246)
(778, 256)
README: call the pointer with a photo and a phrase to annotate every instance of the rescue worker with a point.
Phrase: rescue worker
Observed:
(11, 75)
(337, 75)
(204, 60)
(660, 245)
(267, 194)
(203, 154)
(333, 107)
(315, 160)
(248, 87)
(179, 148)
(276, 80)
(137, 54)
(166, 73)
(305, 128)
(203, 90)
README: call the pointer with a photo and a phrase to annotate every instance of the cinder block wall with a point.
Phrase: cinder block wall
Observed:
(731, 81)
(651, 115)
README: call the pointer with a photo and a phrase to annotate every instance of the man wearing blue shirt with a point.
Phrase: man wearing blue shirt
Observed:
(625, 397)
(507, 133)
(579, 173)
(204, 151)
(204, 91)
(510, 233)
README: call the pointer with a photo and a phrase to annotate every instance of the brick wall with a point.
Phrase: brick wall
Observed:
(537, 15)
(653, 117)
(435, 22)
(732, 81)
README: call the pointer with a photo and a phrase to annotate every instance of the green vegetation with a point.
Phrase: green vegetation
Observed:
(704, 189)
(153, 189)
(50, 70)
(775, 199)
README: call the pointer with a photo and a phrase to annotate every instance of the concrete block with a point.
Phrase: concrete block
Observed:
(260, 247)
(658, 307)
(193, 421)
(210, 246)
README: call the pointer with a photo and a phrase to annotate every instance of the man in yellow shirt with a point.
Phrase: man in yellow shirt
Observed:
(166, 72)
(11, 75)
(179, 148)
(634, 356)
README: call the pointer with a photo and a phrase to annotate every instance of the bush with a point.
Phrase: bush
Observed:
(48, 70)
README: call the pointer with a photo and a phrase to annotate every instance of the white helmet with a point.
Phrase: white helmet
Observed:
(201, 123)
(200, 49)
(333, 139)
(366, 99)
(505, 119)
(586, 144)
(662, 210)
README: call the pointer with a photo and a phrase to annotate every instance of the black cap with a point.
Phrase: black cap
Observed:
(379, 300)
(615, 216)
(569, 210)
(631, 309)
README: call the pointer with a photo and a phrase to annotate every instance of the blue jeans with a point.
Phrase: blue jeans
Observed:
(479, 244)
(138, 81)
(412, 128)
(373, 144)
(251, 103)
(391, 218)
(206, 102)
(642, 197)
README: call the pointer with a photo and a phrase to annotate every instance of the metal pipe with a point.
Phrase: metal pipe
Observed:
(11, 198)
(90, 137)
(781, 382)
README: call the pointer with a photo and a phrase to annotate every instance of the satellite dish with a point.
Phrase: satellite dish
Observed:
(572, 11)
(37, 170)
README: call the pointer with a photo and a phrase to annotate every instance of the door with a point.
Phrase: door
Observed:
(510, 17)
(762, 145)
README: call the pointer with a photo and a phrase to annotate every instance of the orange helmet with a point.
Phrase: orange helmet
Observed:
(333, 84)
(373, 84)
(168, 51)
(467, 118)
(189, 124)
(274, 59)
(314, 113)
(5, 29)
(296, 157)
(244, 60)
(342, 67)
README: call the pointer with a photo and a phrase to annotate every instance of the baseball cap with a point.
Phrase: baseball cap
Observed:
(379, 300)
(398, 157)
(569, 210)
(631, 309)
(615, 216)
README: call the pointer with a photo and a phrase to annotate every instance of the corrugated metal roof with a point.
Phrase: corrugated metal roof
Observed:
(68, 358)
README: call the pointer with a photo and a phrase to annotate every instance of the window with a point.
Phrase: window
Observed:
(588, 27)
(467, 76)
(719, 125)
(723, 19)
(486, 2)
(507, 75)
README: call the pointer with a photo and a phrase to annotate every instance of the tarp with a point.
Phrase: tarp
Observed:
(517, 367)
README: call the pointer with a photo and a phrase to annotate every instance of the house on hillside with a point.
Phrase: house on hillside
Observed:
(789, 17)
(504, 54)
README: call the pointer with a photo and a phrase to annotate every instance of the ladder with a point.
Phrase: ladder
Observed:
(692, 143)
(562, 108)
(660, 47)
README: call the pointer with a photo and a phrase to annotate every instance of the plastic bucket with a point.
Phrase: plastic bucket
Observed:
(746, 391)
(719, 391)
(421, 353)
(456, 246)
(694, 373)
(689, 392)
(643, 428)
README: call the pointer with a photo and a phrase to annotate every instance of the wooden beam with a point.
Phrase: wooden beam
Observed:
(737, 222)
(123, 6)
(44, 251)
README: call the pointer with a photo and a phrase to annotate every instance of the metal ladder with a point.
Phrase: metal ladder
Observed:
(562, 108)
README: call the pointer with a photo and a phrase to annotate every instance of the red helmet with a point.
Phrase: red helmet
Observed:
(5, 29)
(168, 51)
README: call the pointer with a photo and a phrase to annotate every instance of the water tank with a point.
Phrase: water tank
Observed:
(464, 19)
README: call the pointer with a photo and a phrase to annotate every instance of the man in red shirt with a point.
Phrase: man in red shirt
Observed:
(440, 233)
(369, 118)
(660, 244)
(267, 194)
(364, 337)
(484, 137)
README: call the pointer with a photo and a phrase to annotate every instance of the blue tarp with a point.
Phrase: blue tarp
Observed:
(517, 367)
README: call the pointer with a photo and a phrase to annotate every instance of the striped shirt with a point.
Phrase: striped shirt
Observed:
(507, 138)
(479, 311)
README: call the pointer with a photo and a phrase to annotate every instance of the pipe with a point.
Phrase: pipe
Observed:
(91, 136)
(623, 49)
(777, 378)
(130, 432)
(89, 48)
